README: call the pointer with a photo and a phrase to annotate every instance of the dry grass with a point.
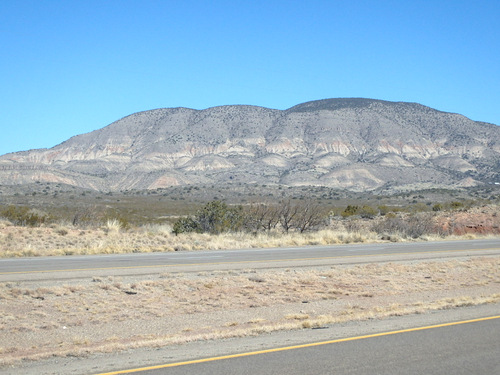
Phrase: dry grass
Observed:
(114, 313)
(111, 239)
(65, 239)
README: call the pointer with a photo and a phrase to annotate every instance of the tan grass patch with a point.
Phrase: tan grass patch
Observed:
(65, 239)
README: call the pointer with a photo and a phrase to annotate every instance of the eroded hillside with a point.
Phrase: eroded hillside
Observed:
(355, 144)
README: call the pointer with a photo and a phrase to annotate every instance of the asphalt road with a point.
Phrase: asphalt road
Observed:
(471, 347)
(123, 264)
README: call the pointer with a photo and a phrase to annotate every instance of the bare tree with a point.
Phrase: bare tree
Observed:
(309, 216)
(290, 215)
(263, 217)
(287, 215)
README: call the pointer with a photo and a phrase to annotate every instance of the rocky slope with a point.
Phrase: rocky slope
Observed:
(356, 144)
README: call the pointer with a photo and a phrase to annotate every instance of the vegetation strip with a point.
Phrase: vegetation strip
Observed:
(239, 355)
(244, 261)
(26, 231)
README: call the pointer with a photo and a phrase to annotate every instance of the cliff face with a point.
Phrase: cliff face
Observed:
(356, 144)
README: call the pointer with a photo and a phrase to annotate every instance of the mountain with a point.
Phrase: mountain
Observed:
(351, 143)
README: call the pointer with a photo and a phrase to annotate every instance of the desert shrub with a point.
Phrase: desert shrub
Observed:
(456, 205)
(437, 207)
(367, 212)
(185, 225)
(25, 216)
(350, 211)
(89, 217)
(309, 216)
(215, 217)
(263, 217)
(410, 226)
(303, 215)
(384, 209)
(354, 225)
(287, 214)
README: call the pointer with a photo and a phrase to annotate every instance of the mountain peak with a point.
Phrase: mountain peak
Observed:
(349, 103)
(332, 104)
(313, 143)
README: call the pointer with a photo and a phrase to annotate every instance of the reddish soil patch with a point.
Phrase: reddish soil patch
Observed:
(480, 220)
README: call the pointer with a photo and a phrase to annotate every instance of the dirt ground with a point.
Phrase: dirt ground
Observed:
(109, 314)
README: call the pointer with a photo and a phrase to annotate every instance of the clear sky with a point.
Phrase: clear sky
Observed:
(73, 66)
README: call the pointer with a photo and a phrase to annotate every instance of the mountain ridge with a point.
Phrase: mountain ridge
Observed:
(349, 143)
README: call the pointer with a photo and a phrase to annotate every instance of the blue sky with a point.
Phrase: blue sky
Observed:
(70, 67)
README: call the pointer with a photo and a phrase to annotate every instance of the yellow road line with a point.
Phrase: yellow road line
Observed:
(243, 261)
(211, 359)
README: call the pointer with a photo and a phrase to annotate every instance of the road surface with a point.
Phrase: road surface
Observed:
(464, 347)
(18, 269)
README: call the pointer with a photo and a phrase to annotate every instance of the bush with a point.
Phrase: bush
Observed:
(410, 226)
(437, 207)
(384, 209)
(350, 211)
(25, 216)
(89, 217)
(262, 217)
(215, 217)
(185, 224)
(301, 216)
(456, 205)
(367, 212)
(309, 216)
